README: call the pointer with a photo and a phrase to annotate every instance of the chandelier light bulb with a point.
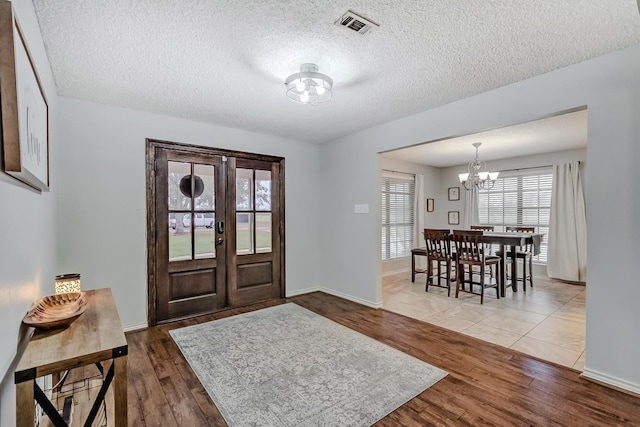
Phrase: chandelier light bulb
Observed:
(320, 90)
(300, 85)
(304, 97)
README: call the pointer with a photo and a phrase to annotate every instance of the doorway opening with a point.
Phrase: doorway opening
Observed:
(549, 320)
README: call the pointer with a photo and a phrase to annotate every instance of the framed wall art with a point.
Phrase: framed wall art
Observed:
(23, 108)
(454, 217)
(454, 193)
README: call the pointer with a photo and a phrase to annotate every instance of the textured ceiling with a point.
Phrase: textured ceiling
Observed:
(563, 132)
(225, 61)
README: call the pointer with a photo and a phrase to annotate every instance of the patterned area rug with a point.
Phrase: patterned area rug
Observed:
(287, 366)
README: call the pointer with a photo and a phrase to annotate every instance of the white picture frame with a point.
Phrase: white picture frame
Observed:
(453, 217)
(454, 193)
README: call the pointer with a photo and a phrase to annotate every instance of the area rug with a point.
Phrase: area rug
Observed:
(287, 366)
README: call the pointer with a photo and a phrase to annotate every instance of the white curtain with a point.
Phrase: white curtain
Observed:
(567, 251)
(470, 216)
(419, 209)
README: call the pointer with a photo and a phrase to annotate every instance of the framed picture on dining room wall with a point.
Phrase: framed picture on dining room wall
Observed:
(429, 205)
(23, 108)
(454, 217)
(454, 193)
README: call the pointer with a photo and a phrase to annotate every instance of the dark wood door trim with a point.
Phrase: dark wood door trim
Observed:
(200, 149)
(152, 146)
(281, 231)
(150, 158)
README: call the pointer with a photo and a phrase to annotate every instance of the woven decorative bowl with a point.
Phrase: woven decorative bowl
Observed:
(56, 311)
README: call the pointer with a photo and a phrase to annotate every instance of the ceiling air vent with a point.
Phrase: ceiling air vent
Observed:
(356, 22)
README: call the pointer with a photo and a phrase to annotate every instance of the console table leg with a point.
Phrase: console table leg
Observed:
(120, 391)
(25, 404)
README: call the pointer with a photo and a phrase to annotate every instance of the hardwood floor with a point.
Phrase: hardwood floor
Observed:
(487, 384)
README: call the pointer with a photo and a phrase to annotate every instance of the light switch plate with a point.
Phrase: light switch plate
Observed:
(361, 209)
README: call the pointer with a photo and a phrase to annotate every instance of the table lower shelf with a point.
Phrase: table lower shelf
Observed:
(82, 385)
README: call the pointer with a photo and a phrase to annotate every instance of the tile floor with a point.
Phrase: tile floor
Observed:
(548, 321)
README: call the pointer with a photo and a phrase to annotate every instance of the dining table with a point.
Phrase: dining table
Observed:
(513, 240)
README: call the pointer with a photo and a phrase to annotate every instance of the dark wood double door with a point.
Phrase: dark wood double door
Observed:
(215, 229)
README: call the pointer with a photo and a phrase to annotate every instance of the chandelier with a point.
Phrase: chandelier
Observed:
(308, 86)
(477, 175)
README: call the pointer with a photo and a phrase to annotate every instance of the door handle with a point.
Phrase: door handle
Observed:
(220, 227)
(220, 241)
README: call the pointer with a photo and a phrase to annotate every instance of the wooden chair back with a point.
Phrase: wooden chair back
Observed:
(520, 229)
(482, 227)
(525, 248)
(487, 246)
(438, 243)
(469, 246)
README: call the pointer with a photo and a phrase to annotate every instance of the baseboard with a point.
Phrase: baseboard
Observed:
(351, 298)
(301, 291)
(135, 327)
(611, 382)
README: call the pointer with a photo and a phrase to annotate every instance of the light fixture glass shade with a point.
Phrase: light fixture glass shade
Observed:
(308, 86)
(478, 176)
(66, 283)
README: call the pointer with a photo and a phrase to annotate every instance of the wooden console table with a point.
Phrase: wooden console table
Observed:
(95, 337)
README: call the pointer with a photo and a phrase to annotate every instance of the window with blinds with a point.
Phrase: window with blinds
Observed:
(520, 198)
(398, 195)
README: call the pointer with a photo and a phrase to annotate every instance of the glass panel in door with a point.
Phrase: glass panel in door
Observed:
(253, 211)
(191, 207)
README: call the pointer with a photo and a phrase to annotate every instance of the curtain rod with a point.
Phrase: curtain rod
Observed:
(530, 167)
(402, 173)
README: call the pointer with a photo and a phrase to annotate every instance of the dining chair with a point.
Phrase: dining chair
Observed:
(469, 249)
(525, 253)
(487, 246)
(438, 251)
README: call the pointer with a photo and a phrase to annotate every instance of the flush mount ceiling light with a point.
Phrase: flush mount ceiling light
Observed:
(308, 86)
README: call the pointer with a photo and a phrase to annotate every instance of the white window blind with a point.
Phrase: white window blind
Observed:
(519, 198)
(398, 194)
